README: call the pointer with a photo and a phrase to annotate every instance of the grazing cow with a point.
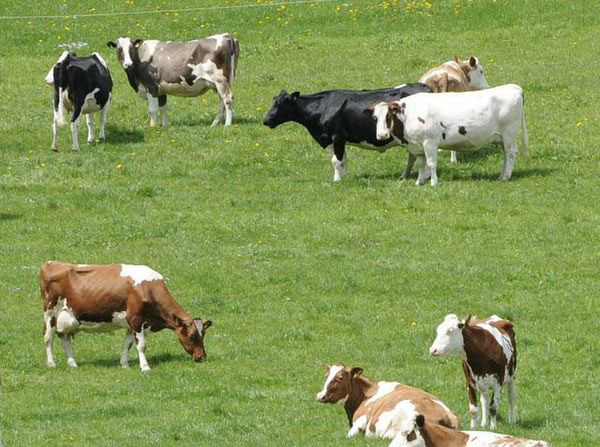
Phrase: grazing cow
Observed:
(456, 76)
(156, 69)
(81, 85)
(460, 121)
(419, 432)
(80, 297)
(489, 353)
(335, 118)
(371, 406)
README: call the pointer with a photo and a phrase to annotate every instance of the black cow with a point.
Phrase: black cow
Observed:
(156, 69)
(336, 117)
(81, 85)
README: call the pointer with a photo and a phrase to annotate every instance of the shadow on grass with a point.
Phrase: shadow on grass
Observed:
(121, 135)
(9, 216)
(535, 422)
(153, 360)
(206, 122)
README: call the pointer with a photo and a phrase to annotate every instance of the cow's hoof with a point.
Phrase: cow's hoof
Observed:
(75, 149)
(214, 124)
(51, 365)
(145, 370)
(54, 149)
(71, 363)
(125, 365)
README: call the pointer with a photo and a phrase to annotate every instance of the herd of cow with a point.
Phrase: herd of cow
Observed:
(451, 107)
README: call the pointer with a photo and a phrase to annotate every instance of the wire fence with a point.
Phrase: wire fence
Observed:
(165, 11)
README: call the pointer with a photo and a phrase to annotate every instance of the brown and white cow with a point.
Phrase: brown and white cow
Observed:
(456, 76)
(98, 298)
(489, 351)
(156, 69)
(372, 406)
(421, 433)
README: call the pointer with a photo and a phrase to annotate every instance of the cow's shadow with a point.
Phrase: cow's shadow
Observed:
(122, 135)
(153, 360)
(206, 121)
(9, 216)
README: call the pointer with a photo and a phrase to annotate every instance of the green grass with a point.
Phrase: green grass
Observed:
(294, 270)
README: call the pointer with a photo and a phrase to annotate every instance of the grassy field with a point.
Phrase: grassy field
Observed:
(295, 271)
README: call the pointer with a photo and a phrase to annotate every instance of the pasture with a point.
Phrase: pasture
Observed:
(295, 271)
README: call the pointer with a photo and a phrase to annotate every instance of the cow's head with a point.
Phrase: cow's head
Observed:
(126, 50)
(386, 115)
(474, 72)
(282, 110)
(338, 384)
(49, 79)
(191, 335)
(410, 432)
(449, 338)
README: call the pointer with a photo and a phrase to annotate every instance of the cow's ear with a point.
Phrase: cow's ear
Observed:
(472, 62)
(456, 58)
(295, 95)
(466, 322)
(394, 108)
(355, 372)
(207, 324)
(111, 44)
(137, 43)
(420, 420)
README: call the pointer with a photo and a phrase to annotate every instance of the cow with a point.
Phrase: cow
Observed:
(81, 297)
(156, 69)
(334, 118)
(489, 352)
(81, 85)
(370, 405)
(459, 121)
(456, 76)
(419, 432)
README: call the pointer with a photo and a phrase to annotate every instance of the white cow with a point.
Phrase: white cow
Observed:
(463, 122)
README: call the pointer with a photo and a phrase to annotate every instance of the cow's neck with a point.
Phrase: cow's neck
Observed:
(171, 311)
(361, 390)
(438, 436)
(474, 345)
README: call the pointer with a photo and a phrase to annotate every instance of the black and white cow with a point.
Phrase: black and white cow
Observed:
(81, 85)
(156, 69)
(336, 117)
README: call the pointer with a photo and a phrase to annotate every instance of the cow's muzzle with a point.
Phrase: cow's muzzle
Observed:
(383, 136)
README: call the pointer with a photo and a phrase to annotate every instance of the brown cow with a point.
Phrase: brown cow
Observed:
(371, 406)
(456, 76)
(80, 297)
(489, 352)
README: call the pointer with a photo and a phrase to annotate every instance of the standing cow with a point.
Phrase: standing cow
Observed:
(489, 351)
(156, 69)
(335, 118)
(456, 76)
(97, 298)
(81, 85)
(460, 121)
(372, 406)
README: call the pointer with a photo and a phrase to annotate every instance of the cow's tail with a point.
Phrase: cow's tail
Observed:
(60, 113)
(235, 55)
(524, 135)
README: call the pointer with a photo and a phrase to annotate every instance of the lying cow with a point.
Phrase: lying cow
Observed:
(489, 352)
(419, 432)
(456, 76)
(371, 406)
(81, 85)
(156, 69)
(80, 297)
(460, 121)
(335, 118)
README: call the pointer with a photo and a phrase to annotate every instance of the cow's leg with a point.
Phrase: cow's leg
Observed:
(75, 127)
(66, 342)
(472, 395)
(338, 160)
(89, 121)
(409, 165)
(359, 425)
(431, 148)
(49, 330)
(153, 109)
(509, 143)
(453, 157)
(220, 112)
(54, 145)
(103, 115)
(140, 344)
(226, 95)
(494, 405)
(424, 171)
(126, 348)
(485, 406)
(162, 103)
(512, 399)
